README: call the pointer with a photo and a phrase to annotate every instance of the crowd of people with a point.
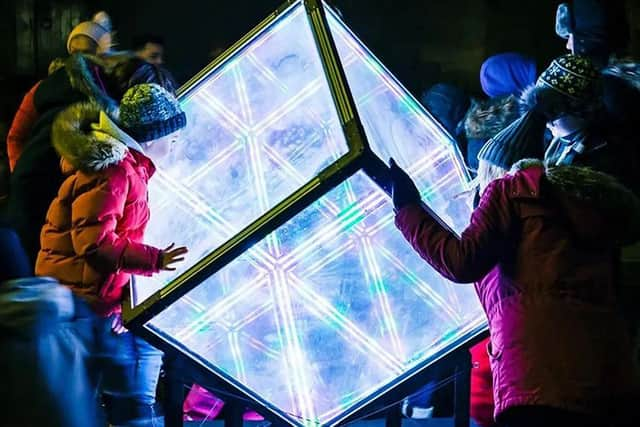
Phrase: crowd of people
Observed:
(550, 245)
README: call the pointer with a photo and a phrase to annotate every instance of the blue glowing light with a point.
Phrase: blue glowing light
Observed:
(333, 306)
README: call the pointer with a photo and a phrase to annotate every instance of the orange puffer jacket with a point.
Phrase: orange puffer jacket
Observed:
(92, 238)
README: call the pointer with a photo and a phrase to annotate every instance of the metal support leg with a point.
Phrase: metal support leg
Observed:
(393, 417)
(233, 413)
(462, 387)
(174, 397)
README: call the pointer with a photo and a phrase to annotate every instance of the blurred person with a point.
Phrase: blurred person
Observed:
(541, 249)
(149, 47)
(503, 77)
(131, 71)
(92, 241)
(44, 380)
(92, 37)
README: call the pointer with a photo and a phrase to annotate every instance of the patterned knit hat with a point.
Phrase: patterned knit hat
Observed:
(522, 139)
(148, 112)
(571, 75)
(567, 86)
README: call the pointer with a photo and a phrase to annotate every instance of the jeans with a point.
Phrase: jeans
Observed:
(123, 368)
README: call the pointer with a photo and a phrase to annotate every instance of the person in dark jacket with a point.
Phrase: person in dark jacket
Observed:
(541, 248)
(44, 380)
(568, 95)
(36, 176)
(503, 77)
(449, 104)
(598, 29)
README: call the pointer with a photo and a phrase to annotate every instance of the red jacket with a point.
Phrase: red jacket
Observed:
(482, 404)
(543, 248)
(23, 122)
(92, 238)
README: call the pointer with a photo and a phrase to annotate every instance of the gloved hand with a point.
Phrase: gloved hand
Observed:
(403, 190)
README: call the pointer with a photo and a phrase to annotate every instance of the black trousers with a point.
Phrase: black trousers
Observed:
(542, 416)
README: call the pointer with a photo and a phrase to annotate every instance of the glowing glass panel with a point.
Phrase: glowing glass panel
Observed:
(407, 133)
(260, 126)
(328, 309)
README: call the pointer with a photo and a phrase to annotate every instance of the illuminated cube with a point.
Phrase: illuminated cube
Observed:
(298, 291)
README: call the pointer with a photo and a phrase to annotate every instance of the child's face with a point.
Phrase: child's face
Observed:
(160, 148)
(565, 125)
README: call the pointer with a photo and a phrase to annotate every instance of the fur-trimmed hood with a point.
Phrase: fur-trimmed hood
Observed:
(87, 139)
(79, 70)
(600, 209)
(486, 118)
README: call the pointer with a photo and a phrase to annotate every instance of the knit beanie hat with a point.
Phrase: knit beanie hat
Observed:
(148, 112)
(522, 139)
(507, 74)
(568, 86)
(98, 29)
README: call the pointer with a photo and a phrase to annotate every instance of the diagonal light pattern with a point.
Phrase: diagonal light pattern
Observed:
(333, 307)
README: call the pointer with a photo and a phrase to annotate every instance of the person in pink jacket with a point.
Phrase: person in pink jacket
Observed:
(542, 249)
(93, 238)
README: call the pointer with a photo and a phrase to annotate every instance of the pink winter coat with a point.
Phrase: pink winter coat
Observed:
(542, 246)
(92, 240)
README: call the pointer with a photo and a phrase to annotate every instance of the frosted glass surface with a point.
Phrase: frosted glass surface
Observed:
(259, 127)
(397, 126)
(323, 312)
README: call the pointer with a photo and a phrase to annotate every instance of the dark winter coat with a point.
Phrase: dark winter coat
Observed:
(92, 240)
(36, 177)
(542, 247)
(485, 119)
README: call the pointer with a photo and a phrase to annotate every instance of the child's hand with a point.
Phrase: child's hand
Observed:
(170, 256)
(117, 326)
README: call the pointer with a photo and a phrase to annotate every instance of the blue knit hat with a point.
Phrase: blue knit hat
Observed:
(148, 112)
(507, 74)
(522, 139)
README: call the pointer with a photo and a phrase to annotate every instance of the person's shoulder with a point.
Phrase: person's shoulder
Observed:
(524, 180)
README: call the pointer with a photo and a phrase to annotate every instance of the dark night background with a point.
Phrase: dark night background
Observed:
(421, 41)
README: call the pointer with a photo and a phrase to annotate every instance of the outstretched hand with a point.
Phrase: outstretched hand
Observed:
(170, 256)
(403, 189)
(117, 325)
